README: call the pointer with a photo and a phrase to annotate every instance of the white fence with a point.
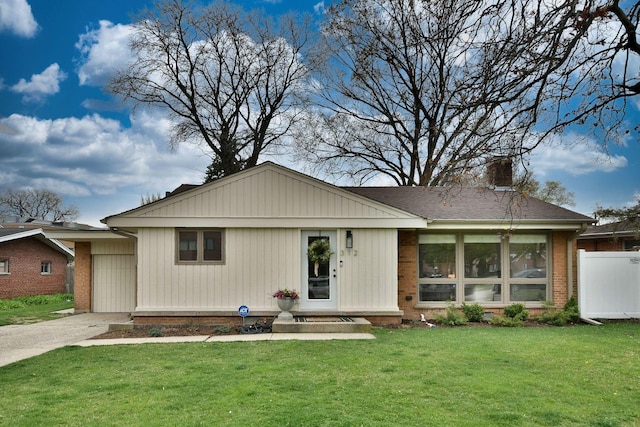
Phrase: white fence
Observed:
(609, 284)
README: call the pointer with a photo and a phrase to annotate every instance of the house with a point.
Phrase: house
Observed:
(616, 236)
(200, 253)
(31, 263)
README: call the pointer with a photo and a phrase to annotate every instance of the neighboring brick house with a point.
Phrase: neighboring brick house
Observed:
(617, 236)
(396, 252)
(31, 263)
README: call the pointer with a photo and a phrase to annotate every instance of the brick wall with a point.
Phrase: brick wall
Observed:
(25, 258)
(82, 285)
(408, 273)
(594, 245)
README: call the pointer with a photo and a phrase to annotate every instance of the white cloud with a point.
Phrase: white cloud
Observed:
(41, 85)
(16, 17)
(319, 7)
(579, 156)
(103, 51)
(94, 155)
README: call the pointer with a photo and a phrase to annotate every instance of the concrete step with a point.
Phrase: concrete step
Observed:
(318, 324)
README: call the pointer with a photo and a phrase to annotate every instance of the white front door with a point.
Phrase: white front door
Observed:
(319, 280)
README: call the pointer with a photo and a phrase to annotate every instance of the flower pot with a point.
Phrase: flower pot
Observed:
(285, 304)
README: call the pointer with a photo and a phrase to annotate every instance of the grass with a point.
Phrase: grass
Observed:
(566, 376)
(22, 310)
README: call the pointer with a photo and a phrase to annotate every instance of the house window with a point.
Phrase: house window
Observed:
(200, 246)
(4, 266)
(528, 269)
(45, 267)
(482, 268)
(437, 271)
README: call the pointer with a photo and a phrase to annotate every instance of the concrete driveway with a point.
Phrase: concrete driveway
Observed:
(18, 342)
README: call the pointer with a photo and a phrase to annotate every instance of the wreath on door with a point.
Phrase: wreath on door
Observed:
(319, 252)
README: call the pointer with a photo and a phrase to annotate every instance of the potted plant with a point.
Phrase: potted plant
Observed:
(319, 252)
(286, 298)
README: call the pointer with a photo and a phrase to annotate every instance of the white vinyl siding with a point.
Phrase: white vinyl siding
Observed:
(257, 262)
(114, 276)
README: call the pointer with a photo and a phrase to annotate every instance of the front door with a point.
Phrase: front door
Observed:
(319, 278)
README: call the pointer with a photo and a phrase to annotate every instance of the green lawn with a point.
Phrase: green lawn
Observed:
(33, 309)
(567, 376)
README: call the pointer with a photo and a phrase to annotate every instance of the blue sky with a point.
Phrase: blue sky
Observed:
(58, 129)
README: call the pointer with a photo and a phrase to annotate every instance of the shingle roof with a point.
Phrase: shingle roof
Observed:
(468, 203)
(622, 228)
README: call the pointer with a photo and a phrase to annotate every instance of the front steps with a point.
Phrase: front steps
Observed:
(317, 324)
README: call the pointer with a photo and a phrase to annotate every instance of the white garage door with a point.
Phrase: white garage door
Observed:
(114, 283)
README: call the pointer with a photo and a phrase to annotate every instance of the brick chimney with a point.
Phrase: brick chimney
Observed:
(500, 172)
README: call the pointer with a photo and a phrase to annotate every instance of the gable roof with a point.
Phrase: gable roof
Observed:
(463, 205)
(267, 195)
(9, 234)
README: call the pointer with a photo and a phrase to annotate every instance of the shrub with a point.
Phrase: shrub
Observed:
(506, 321)
(452, 317)
(222, 329)
(473, 312)
(516, 312)
(572, 310)
(155, 332)
(556, 317)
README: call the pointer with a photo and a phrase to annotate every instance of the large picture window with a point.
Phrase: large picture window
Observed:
(200, 246)
(528, 259)
(437, 267)
(488, 269)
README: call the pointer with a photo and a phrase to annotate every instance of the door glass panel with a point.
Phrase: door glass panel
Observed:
(318, 271)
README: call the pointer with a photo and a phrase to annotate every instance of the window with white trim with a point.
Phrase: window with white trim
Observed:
(483, 268)
(199, 246)
(4, 266)
(45, 267)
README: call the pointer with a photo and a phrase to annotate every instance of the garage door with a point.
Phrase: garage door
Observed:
(114, 283)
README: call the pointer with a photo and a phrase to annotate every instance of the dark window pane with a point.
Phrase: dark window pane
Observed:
(482, 256)
(437, 292)
(188, 246)
(437, 256)
(212, 246)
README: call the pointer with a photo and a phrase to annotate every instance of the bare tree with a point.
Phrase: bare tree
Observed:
(426, 91)
(37, 204)
(231, 79)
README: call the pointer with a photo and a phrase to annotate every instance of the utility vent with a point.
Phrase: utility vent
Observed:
(500, 172)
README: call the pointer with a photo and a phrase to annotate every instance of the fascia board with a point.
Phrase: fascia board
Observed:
(507, 225)
(257, 222)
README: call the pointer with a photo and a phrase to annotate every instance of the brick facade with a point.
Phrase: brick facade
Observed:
(25, 260)
(83, 277)
(408, 274)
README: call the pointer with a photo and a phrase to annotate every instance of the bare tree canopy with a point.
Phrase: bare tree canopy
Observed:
(230, 79)
(425, 91)
(37, 204)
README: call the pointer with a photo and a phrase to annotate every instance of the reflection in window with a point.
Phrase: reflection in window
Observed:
(437, 254)
(528, 255)
(188, 246)
(437, 292)
(482, 256)
(200, 246)
(528, 292)
(482, 292)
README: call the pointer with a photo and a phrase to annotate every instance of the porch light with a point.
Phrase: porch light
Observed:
(349, 240)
